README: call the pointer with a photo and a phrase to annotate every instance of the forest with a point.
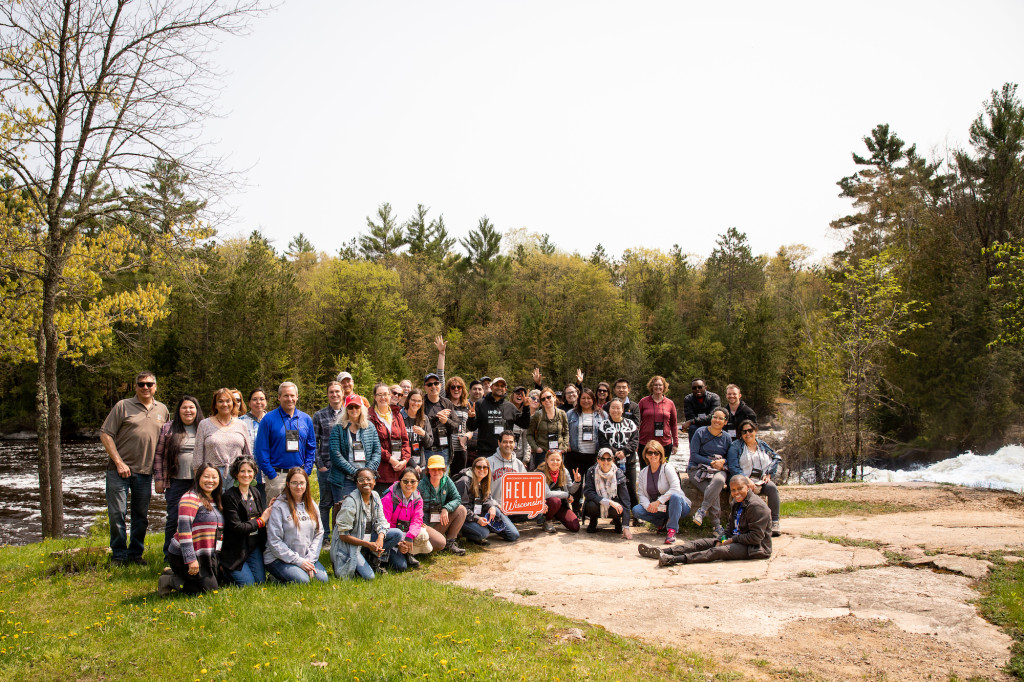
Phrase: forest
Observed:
(909, 336)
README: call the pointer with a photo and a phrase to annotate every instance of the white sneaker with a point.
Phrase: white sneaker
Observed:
(698, 517)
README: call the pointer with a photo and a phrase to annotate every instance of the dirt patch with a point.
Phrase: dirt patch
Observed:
(816, 608)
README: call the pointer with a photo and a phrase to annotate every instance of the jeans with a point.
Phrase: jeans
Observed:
(474, 531)
(677, 507)
(391, 540)
(771, 494)
(326, 501)
(712, 489)
(227, 483)
(252, 571)
(340, 492)
(173, 493)
(292, 573)
(140, 487)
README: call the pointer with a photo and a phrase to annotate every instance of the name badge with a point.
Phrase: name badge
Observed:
(732, 433)
(702, 415)
(358, 454)
(588, 430)
(435, 517)
(478, 509)
(552, 441)
(396, 447)
(291, 440)
(499, 429)
(443, 441)
(659, 428)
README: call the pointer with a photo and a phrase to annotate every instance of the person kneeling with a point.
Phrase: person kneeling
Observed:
(193, 549)
(750, 533)
(362, 527)
(606, 491)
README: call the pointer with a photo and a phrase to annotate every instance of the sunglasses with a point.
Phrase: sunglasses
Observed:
(397, 394)
(353, 408)
(548, 397)
(146, 384)
(480, 468)
(698, 388)
(431, 384)
(746, 431)
(604, 459)
(602, 390)
(455, 388)
(409, 482)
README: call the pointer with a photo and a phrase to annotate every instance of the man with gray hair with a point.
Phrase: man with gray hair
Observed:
(286, 439)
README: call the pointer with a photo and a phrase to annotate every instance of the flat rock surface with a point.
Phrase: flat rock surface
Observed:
(820, 608)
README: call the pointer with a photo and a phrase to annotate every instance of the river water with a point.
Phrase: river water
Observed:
(84, 466)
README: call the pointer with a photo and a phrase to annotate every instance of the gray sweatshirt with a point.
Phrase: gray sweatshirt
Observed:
(290, 544)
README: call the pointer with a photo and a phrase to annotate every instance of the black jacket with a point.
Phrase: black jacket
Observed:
(742, 413)
(622, 496)
(699, 413)
(462, 483)
(489, 414)
(238, 540)
(755, 526)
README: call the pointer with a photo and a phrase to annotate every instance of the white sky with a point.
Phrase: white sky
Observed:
(628, 124)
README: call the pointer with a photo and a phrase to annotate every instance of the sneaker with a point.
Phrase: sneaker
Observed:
(118, 563)
(698, 517)
(649, 551)
(164, 584)
(718, 530)
(454, 548)
(549, 527)
(412, 561)
(670, 539)
(775, 529)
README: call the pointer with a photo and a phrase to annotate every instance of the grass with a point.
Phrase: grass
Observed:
(73, 617)
(843, 540)
(1002, 603)
(827, 508)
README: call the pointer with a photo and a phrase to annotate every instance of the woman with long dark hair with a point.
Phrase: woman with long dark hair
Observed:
(585, 421)
(245, 526)
(421, 438)
(252, 419)
(193, 549)
(172, 464)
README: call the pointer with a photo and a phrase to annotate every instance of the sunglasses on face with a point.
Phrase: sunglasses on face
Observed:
(409, 482)
(397, 394)
(602, 390)
(431, 384)
(548, 397)
(480, 468)
(746, 431)
(604, 459)
(146, 384)
(698, 388)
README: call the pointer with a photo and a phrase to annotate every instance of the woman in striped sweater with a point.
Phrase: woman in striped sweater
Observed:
(193, 550)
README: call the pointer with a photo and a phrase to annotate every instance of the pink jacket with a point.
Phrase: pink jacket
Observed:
(398, 510)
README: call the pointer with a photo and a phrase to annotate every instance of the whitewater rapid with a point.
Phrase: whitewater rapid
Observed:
(1003, 470)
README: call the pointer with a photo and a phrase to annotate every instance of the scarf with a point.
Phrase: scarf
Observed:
(607, 487)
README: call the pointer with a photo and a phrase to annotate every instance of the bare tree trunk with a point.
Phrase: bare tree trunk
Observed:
(42, 435)
(51, 489)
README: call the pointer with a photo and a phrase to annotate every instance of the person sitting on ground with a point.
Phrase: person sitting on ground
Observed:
(707, 470)
(622, 436)
(295, 533)
(442, 507)
(558, 493)
(753, 458)
(483, 515)
(660, 500)
(749, 535)
(403, 509)
(607, 494)
(193, 549)
(245, 526)
(362, 538)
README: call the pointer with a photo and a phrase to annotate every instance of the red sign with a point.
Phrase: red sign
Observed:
(522, 493)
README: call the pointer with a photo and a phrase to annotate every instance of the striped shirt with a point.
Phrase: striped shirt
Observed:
(198, 529)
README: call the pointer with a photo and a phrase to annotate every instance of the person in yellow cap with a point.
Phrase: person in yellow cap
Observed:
(443, 513)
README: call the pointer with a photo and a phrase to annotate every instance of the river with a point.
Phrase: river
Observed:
(85, 462)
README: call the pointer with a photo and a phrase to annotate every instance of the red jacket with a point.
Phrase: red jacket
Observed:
(386, 473)
(651, 412)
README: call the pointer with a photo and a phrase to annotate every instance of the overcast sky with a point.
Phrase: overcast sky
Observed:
(626, 124)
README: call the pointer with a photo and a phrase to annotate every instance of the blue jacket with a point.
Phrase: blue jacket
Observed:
(343, 464)
(270, 448)
(736, 449)
(704, 446)
(574, 428)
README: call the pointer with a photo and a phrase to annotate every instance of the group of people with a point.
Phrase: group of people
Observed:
(411, 471)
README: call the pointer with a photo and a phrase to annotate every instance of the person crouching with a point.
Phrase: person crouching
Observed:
(749, 533)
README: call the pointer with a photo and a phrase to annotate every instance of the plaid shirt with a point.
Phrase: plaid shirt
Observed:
(323, 422)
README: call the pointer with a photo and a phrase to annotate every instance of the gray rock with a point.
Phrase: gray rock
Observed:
(972, 568)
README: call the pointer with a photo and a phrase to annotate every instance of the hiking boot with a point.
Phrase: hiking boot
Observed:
(412, 561)
(138, 561)
(592, 526)
(670, 560)
(165, 583)
(118, 563)
(483, 542)
(549, 527)
(649, 551)
(718, 531)
(775, 529)
(454, 548)
(698, 517)
(670, 539)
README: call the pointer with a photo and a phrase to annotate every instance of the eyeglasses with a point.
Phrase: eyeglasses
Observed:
(431, 384)
(298, 484)
(548, 397)
(746, 431)
(455, 388)
(146, 384)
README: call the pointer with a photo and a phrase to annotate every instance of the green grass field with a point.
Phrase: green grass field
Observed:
(826, 508)
(78, 619)
(1003, 604)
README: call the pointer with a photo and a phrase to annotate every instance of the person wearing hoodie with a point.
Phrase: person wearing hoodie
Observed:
(483, 515)
(739, 411)
(749, 535)
(492, 416)
(753, 458)
(607, 493)
(403, 509)
(394, 439)
(504, 461)
(442, 507)
(354, 444)
(362, 539)
(295, 533)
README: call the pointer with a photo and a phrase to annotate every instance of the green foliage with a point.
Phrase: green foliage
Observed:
(1003, 604)
(1009, 281)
